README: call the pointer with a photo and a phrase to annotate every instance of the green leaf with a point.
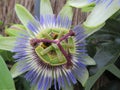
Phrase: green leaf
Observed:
(15, 30)
(24, 16)
(6, 81)
(101, 13)
(7, 43)
(114, 70)
(90, 82)
(104, 55)
(78, 3)
(45, 8)
(66, 12)
(108, 44)
(15, 71)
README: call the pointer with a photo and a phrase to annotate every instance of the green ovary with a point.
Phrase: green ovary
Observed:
(49, 52)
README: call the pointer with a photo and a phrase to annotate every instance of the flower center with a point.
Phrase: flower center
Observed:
(55, 47)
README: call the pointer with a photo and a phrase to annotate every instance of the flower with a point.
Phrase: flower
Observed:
(52, 53)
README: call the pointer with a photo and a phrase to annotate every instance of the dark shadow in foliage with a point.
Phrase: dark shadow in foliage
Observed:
(113, 84)
(21, 83)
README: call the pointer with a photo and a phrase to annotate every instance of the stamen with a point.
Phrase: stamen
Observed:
(69, 63)
(71, 33)
(34, 42)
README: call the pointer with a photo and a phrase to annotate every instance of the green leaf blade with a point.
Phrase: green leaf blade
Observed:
(114, 70)
(90, 82)
(6, 81)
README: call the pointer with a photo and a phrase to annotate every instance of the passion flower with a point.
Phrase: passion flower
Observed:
(54, 54)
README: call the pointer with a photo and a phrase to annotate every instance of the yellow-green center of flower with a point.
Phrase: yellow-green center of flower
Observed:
(55, 46)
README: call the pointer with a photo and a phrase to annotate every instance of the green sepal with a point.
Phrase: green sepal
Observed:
(7, 43)
(24, 16)
(83, 77)
(90, 30)
(66, 12)
(88, 61)
(6, 81)
(45, 8)
(79, 3)
(15, 30)
(101, 12)
(15, 71)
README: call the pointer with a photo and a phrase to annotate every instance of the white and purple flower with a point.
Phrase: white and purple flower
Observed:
(50, 52)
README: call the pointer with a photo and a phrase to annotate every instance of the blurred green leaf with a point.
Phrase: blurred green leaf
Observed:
(1, 22)
(107, 43)
(91, 81)
(6, 81)
(7, 43)
(104, 56)
(1, 35)
(111, 67)
(15, 30)
(114, 70)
